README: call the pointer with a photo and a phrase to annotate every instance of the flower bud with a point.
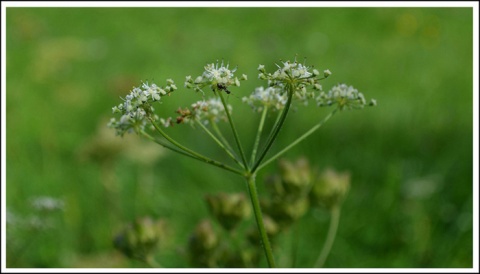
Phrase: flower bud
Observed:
(198, 80)
(294, 180)
(262, 76)
(202, 244)
(229, 209)
(140, 239)
(204, 237)
(330, 188)
(271, 227)
(327, 73)
(285, 212)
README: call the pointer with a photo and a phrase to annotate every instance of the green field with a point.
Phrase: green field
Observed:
(410, 158)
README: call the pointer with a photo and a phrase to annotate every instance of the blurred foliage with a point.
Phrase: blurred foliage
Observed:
(410, 199)
(292, 191)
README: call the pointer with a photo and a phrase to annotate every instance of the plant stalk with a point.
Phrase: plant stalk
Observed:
(332, 232)
(252, 189)
(276, 128)
(301, 138)
(259, 134)
(235, 134)
(189, 152)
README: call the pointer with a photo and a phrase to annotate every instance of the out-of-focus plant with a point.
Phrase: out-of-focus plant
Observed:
(24, 230)
(140, 239)
(291, 83)
(293, 191)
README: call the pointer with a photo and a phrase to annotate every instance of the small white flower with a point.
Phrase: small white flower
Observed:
(166, 122)
(210, 110)
(327, 73)
(293, 74)
(271, 97)
(344, 97)
(217, 76)
(45, 203)
(137, 107)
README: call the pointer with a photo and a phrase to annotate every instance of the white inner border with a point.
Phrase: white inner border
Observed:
(472, 4)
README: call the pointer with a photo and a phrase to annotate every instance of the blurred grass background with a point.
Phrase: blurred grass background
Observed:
(410, 204)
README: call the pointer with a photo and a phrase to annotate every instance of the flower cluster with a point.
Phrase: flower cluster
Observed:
(140, 239)
(218, 76)
(296, 75)
(137, 107)
(330, 188)
(344, 96)
(211, 110)
(45, 203)
(229, 209)
(288, 192)
(270, 97)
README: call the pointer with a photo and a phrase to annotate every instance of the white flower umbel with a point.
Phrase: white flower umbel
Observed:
(345, 97)
(204, 111)
(210, 110)
(218, 76)
(273, 98)
(290, 82)
(295, 74)
(291, 72)
(137, 107)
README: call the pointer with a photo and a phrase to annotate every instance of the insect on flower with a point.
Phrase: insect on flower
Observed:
(223, 87)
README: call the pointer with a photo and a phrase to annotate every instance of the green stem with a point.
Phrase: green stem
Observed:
(218, 142)
(194, 154)
(332, 231)
(252, 189)
(150, 137)
(259, 134)
(301, 138)
(235, 135)
(220, 135)
(276, 128)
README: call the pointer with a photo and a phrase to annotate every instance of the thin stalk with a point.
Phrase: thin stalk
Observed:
(259, 134)
(301, 138)
(150, 137)
(220, 135)
(276, 129)
(332, 232)
(194, 154)
(274, 126)
(252, 189)
(219, 142)
(235, 134)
